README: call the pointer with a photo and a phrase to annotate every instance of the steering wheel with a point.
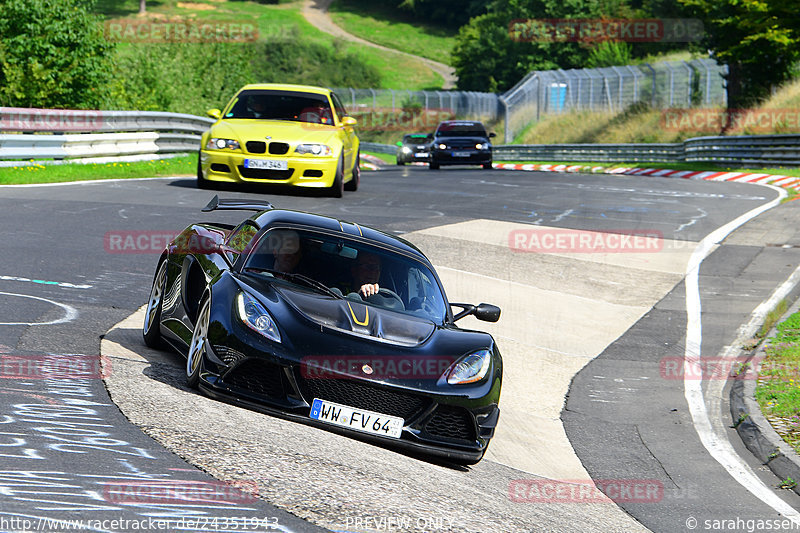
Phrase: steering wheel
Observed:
(390, 299)
(427, 306)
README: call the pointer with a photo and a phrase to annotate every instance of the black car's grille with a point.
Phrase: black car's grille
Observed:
(278, 148)
(265, 174)
(228, 355)
(363, 396)
(451, 423)
(257, 377)
(256, 147)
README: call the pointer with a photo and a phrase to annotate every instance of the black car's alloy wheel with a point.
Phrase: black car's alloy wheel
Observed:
(152, 318)
(197, 348)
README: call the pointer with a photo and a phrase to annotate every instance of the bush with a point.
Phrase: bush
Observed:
(52, 54)
(193, 77)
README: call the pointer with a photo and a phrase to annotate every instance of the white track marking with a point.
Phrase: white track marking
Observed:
(718, 446)
(70, 313)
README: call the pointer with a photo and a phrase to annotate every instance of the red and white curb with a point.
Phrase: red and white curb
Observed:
(787, 182)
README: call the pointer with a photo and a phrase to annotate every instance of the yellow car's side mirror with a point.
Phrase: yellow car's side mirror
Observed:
(349, 121)
(214, 113)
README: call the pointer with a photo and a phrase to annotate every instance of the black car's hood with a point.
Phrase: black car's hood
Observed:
(357, 318)
(461, 140)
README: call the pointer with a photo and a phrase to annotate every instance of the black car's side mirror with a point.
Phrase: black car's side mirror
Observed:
(493, 134)
(399, 143)
(484, 312)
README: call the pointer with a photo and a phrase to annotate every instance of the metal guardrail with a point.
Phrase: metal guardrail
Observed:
(777, 150)
(379, 148)
(39, 135)
(144, 133)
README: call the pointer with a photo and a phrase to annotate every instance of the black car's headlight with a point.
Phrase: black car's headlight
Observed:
(482, 146)
(313, 149)
(253, 314)
(441, 146)
(222, 144)
(470, 368)
(406, 150)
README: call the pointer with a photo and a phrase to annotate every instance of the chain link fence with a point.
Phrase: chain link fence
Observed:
(459, 104)
(673, 84)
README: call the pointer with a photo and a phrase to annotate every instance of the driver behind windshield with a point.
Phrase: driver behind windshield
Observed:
(365, 273)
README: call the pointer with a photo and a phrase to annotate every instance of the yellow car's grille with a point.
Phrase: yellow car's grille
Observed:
(256, 147)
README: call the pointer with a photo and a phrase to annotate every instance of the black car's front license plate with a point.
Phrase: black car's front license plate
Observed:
(461, 154)
(358, 419)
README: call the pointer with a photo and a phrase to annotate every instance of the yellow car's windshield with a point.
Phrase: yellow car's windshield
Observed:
(282, 105)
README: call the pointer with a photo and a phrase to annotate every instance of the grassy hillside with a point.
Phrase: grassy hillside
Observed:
(392, 28)
(640, 123)
(276, 20)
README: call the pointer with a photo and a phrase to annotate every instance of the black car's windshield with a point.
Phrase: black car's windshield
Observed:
(341, 267)
(466, 129)
(282, 105)
(415, 139)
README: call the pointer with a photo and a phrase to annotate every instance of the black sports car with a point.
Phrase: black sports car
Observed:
(414, 147)
(461, 142)
(327, 322)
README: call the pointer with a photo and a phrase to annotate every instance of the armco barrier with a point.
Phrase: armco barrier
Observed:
(743, 150)
(40, 134)
(154, 133)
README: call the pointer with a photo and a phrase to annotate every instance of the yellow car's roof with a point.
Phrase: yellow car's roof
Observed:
(285, 87)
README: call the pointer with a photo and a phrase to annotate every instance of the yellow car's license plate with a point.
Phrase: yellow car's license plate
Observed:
(268, 164)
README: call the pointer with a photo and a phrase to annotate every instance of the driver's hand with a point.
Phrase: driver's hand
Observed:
(368, 289)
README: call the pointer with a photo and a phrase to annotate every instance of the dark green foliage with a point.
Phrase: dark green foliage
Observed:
(759, 41)
(52, 54)
(609, 54)
(486, 57)
(193, 77)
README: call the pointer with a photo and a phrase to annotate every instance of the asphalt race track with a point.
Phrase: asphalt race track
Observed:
(594, 328)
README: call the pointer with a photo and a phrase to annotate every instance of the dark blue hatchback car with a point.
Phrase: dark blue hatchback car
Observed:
(461, 142)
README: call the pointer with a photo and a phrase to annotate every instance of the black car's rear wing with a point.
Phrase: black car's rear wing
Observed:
(232, 204)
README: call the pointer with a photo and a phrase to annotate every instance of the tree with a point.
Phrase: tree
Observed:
(759, 40)
(142, 7)
(52, 54)
(487, 58)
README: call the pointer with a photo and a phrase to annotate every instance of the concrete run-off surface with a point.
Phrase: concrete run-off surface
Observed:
(315, 474)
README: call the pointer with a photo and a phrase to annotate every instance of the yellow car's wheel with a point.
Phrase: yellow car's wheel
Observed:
(337, 189)
(352, 185)
(202, 183)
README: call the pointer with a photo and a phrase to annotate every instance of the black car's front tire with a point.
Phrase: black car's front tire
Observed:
(433, 166)
(488, 166)
(197, 348)
(151, 331)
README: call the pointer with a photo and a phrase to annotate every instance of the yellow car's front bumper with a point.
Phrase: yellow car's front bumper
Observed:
(303, 171)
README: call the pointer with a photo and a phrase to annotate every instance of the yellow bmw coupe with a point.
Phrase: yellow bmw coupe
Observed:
(281, 134)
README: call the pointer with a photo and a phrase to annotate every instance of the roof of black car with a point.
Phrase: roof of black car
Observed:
(273, 217)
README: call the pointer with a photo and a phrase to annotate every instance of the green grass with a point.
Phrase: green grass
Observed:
(393, 28)
(35, 173)
(386, 158)
(778, 389)
(275, 20)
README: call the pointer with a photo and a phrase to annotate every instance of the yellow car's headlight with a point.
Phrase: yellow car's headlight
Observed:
(222, 144)
(313, 149)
